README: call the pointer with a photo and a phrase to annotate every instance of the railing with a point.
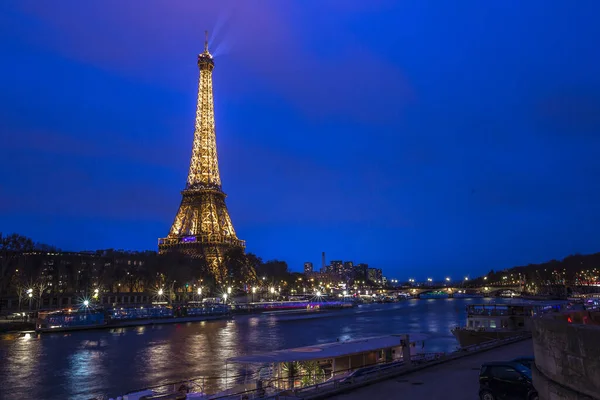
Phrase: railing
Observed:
(417, 362)
(203, 239)
(272, 389)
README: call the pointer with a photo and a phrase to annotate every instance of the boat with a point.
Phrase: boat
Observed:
(90, 317)
(488, 322)
(300, 369)
(464, 295)
(269, 307)
(70, 319)
(434, 295)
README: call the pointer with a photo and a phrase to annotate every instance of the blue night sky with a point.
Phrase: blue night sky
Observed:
(427, 138)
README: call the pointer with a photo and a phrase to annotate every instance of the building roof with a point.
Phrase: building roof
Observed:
(327, 350)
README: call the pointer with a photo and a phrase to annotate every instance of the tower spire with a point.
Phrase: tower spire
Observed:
(206, 41)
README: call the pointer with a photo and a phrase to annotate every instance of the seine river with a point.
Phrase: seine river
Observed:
(107, 363)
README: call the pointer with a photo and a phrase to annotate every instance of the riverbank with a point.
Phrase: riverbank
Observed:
(8, 326)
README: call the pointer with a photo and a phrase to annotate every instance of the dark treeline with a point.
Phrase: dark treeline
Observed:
(26, 264)
(571, 270)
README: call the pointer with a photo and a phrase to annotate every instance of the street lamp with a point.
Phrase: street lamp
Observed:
(229, 290)
(447, 279)
(318, 293)
(86, 303)
(225, 297)
(199, 291)
(160, 292)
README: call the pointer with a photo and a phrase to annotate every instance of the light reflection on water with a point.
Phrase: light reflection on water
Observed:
(106, 363)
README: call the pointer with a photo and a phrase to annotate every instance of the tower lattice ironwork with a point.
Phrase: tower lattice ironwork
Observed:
(202, 226)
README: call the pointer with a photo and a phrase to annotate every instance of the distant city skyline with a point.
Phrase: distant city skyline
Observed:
(408, 136)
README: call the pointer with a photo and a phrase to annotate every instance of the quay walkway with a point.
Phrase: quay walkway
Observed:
(453, 380)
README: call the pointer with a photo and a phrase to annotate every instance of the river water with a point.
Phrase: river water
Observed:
(107, 363)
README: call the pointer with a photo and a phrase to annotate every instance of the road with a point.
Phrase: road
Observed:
(454, 380)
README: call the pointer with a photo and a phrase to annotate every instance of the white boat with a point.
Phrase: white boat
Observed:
(465, 295)
(299, 369)
(488, 322)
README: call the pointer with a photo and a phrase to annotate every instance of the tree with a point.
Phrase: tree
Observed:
(274, 269)
(238, 266)
(11, 248)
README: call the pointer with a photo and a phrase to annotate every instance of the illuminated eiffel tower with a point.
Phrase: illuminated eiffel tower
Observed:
(202, 226)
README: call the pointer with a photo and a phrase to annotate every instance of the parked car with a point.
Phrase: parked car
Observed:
(526, 361)
(506, 381)
(17, 316)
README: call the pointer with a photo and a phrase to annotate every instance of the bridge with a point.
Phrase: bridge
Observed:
(485, 290)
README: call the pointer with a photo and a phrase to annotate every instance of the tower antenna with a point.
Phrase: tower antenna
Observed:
(206, 41)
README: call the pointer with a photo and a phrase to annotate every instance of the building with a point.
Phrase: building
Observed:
(337, 267)
(374, 275)
(360, 272)
(308, 268)
(202, 226)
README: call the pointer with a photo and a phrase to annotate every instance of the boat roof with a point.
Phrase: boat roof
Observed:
(327, 350)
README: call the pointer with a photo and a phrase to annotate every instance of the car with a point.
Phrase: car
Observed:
(506, 380)
(526, 361)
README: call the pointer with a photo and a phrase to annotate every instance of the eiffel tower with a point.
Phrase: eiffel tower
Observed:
(202, 226)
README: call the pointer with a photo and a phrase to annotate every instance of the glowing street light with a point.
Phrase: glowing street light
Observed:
(160, 292)
(345, 293)
(429, 280)
(318, 294)
(485, 278)
(447, 279)
(229, 290)
(86, 303)
(30, 295)
(466, 278)
(199, 291)
(29, 291)
(254, 290)
(225, 297)
(272, 289)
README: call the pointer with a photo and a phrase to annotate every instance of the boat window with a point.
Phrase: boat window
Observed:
(492, 323)
(506, 374)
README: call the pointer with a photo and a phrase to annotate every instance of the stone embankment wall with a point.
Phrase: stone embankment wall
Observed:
(567, 356)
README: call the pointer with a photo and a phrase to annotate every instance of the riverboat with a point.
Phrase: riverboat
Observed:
(488, 322)
(292, 306)
(465, 295)
(434, 295)
(280, 372)
(89, 317)
(70, 319)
